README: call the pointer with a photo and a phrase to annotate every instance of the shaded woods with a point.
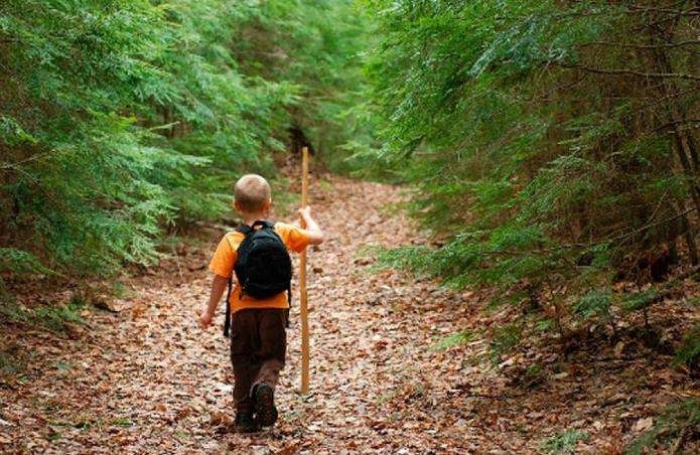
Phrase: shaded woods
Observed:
(550, 150)
(122, 121)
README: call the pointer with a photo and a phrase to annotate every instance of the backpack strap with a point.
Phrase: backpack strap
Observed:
(245, 230)
(227, 321)
(263, 224)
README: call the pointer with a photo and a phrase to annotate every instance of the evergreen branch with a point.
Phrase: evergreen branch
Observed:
(642, 46)
(623, 237)
(674, 123)
(629, 72)
(581, 246)
(693, 11)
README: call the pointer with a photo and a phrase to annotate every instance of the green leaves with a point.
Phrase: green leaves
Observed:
(594, 303)
(120, 118)
(18, 261)
(540, 143)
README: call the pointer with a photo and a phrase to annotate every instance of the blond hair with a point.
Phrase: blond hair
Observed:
(251, 193)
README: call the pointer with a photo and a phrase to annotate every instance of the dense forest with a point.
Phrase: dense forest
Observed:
(122, 120)
(555, 147)
(551, 149)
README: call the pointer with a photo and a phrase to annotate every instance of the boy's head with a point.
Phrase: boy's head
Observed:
(252, 194)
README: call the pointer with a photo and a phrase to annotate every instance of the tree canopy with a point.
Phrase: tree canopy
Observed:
(121, 119)
(554, 145)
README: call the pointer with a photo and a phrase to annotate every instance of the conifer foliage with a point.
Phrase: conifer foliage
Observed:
(121, 118)
(554, 144)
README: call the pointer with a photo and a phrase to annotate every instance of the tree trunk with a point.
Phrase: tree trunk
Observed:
(684, 143)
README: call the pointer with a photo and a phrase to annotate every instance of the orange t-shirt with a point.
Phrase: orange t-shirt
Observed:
(295, 239)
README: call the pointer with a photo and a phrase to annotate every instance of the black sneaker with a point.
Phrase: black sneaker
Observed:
(264, 399)
(245, 423)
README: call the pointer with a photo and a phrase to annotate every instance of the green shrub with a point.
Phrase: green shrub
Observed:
(676, 423)
(689, 352)
(123, 119)
(534, 161)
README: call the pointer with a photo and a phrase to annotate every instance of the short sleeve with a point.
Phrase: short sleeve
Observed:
(224, 258)
(296, 239)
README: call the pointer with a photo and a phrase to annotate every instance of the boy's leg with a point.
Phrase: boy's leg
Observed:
(244, 342)
(273, 349)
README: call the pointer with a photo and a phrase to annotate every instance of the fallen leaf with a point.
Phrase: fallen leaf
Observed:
(643, 425)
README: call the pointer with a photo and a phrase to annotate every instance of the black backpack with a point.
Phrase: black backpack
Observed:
(263, 267)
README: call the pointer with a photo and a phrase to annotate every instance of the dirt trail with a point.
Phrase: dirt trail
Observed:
(385, 377)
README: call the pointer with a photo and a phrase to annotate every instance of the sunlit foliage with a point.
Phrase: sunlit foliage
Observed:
(121, 119)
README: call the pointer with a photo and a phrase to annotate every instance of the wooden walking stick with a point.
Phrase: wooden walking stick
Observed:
(302, 279)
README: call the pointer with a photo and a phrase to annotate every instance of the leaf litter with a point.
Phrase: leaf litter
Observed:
(398, 364)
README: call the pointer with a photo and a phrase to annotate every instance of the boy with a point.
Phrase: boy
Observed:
(258, 327)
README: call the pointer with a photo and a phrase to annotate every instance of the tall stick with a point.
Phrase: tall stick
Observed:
(302, 280)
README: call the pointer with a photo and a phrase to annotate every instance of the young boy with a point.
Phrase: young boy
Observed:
(258, 327)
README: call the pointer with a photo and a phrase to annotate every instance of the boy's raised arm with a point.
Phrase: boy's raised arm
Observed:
(314, 232)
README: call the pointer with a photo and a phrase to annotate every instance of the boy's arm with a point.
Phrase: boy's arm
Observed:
(314, 232)
(218, 286)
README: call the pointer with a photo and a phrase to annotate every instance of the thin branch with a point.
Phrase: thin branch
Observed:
(579, 246)
(676, 123)
(629, 72)
(658, 207)
(16, 165)
(694, 11)
(641, 46)
(674, 16)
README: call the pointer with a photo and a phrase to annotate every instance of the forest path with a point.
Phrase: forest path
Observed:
(147, 380)
(391, 371)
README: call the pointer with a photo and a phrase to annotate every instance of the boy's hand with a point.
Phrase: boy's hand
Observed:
(308, 223)
(305, 212)
(205, 319)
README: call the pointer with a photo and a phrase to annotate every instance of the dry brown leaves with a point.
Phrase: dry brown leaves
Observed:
(146, 379)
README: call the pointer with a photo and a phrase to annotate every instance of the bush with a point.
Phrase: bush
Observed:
(689, 352)
(678, 423)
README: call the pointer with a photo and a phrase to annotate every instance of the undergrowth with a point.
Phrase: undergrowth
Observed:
(51, 317)
(564, 442)
(678, 425)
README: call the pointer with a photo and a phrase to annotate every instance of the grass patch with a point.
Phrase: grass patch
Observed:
(456, 339)
(689, 352)
(52, 317)
(503, 340)
(122, 422)
(10, 365)
(12, 311)
(564, 442)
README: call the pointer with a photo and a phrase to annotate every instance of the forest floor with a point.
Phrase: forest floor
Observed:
(398, 365)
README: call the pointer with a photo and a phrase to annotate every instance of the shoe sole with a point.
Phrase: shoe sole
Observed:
(249, 425)
(247, 429)
(265, 405)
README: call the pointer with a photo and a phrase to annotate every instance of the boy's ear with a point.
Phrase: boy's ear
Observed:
(268, 204)
(234, 204)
